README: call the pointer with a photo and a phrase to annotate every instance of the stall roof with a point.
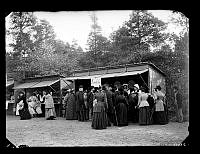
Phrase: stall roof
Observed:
(124, 74)
(107, 75)
(25, 85)
(44, 83)
(35, 84)
(128, 66)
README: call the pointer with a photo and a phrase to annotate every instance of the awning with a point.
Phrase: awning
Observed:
(8, 83)
(65, 83)
(44, 83)
(81, 77)
(107, 75)
(25, 85)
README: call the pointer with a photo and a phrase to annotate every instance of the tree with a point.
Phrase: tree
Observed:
(98, 45)
(136, 35)
(20, 31)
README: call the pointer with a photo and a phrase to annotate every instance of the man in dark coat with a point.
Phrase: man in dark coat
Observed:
(80, 106)
(115, 94)
(110, 110)
(178, 103)
(90, 100)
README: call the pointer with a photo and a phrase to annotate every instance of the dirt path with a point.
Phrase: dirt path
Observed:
(40, 132)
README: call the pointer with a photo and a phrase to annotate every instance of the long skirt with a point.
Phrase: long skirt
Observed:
(159, 117)
(24, 114)
(50, 112)
(32, 111)
(133, 114)
(99, 120)
(144, 115)
(122, 115)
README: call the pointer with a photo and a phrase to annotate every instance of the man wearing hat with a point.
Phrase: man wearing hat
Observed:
(80, 106)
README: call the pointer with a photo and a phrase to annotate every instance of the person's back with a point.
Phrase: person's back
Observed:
(49, 101)
(120, 99)
(143, 99)
(101, 100)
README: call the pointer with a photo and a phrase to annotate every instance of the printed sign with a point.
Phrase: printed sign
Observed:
(96, 82)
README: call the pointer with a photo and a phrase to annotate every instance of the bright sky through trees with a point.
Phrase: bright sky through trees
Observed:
(76, 25)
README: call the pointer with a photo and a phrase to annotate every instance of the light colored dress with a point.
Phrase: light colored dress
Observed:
(142, 99)
(159, 97)
(49, 106)
(31, 105)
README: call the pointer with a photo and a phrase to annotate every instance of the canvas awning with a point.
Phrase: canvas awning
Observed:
(65, 83)
(107, 75)
(44, 83)
(124, 74)
(81, 77)
(25, 85)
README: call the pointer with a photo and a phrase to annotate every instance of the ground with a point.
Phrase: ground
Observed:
(38, 132)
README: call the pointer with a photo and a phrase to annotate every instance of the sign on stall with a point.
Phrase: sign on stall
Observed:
(96, 81)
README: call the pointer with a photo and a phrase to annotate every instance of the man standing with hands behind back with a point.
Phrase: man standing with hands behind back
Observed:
(80, 106)
(178, 103)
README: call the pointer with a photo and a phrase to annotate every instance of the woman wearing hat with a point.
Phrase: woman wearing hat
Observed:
(49, 106)
(69, 101)
(144, 111)
(99, 119)
(121, 107)
(159, 115)
(23, 107)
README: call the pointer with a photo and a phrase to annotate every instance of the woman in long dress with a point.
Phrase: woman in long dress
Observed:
(159, 115)
(99, 119)
(144, 110)
(32, 105)
(49, 106)
(121, 107)
(70, 103)
(23, 107)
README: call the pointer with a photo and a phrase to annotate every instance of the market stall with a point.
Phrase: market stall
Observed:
(54, 83)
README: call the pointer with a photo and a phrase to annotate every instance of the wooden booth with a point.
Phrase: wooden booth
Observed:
(145, 74)
(54, 83)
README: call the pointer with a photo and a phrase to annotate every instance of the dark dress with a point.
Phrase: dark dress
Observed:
(24, 113)
(99, 119)
(115, 121)
(80, 106)
(121, 108)
(144, 110)
(70, 107)
(133, 112)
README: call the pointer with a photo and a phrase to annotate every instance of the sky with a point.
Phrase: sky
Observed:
(76, 25)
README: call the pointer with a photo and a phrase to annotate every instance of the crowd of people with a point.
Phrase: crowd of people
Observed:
(31, 107)
(104, 106)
